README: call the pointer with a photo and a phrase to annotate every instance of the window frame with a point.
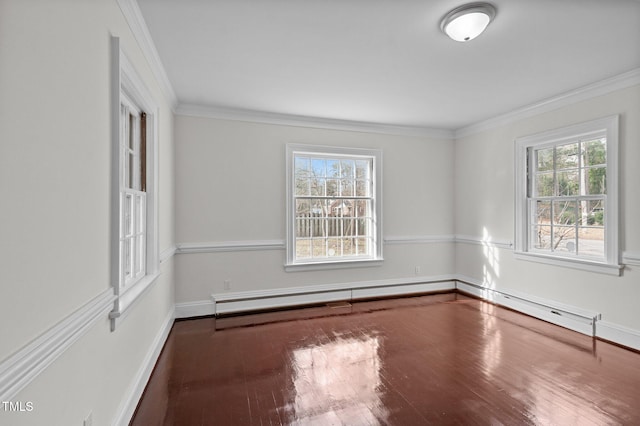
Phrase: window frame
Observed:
(606, 127)
(375, 155)
(128, 88)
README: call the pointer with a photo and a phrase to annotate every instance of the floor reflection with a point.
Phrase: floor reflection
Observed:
(338, 382)
(492, 349)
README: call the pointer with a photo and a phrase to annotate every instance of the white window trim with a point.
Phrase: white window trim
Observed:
(125, 81)
(291, 265)
(608, 125)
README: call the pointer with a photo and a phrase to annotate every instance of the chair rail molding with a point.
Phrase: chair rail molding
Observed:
(26, 364)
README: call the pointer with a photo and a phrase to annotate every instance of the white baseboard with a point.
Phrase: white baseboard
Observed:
(402, 289)
(618, 334)
(567, 316)
(222, 303)
(198, 308)
(139, 382)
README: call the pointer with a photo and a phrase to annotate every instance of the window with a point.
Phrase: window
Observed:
(566, 195)
(133, 196)
(333, 206)
(134, 189)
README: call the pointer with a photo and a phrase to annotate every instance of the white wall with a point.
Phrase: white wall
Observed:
(230, 186)
(54, 191)
(484, 205)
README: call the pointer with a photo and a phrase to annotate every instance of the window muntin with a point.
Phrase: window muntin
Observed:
(333, 207)
(133, 197)
(567, 198)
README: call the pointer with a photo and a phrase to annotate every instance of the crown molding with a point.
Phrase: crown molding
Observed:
(603, 87)
(134, 18)
(138, 26)
(264, 117)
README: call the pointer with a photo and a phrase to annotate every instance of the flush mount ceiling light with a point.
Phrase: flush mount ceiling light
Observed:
(467, 22)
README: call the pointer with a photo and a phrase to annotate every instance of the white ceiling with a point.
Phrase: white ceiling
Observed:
(386, 61)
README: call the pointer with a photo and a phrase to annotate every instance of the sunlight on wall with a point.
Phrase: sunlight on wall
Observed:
(491, 266)
(338, 382)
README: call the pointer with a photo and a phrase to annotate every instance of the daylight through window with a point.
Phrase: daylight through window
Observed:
(566, 195)
(333, 206)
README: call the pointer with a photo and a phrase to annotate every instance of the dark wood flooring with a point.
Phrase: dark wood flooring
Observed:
(440, 359)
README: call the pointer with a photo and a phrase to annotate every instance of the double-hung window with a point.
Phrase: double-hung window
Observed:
(566, 195)
(333, 206)
(133, 195)
(134, 185)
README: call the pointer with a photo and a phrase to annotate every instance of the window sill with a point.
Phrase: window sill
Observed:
(129, 298)
(340, 264)
(581, 264)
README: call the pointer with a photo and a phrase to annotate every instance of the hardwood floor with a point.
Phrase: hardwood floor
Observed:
(440, 359)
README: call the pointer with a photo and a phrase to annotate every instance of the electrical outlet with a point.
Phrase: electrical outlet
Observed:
(227, 284)
(418, 270)
(88, 421)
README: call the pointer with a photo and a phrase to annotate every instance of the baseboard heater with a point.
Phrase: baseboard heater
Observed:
(226, 303)
(570, 317)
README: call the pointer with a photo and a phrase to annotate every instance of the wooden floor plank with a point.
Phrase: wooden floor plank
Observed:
(444, 359)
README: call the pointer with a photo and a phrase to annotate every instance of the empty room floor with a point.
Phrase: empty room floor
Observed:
(438, 359)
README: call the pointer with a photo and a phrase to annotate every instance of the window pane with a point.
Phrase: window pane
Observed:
(347, 168)
(591, 242)
(318, 186)
(303, 248)
(363, 226)
(568, 182)
(317, 227)
(303, 227)
(564, 239)
(363, 246)
(319, 208)
(362, 208)
(567, 156)
(319, 248)
(140, 255)
(541, 237)
(596, 180)
(126, 257)
(140, 212)
(346, 187)
(303, 207)
(319, 167)
(334, 247)
(128, 215)
(306, 224)
(130, 171)
(333, 168)
(302, 165)
(591, 213)
(363, 169)
(333, 186)
(595, 152)
(544, 185)
(543, 212)
(544, 159)
(362, 188)
(349, 226)
(132, 129)
(302, 186)
(564, 212)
